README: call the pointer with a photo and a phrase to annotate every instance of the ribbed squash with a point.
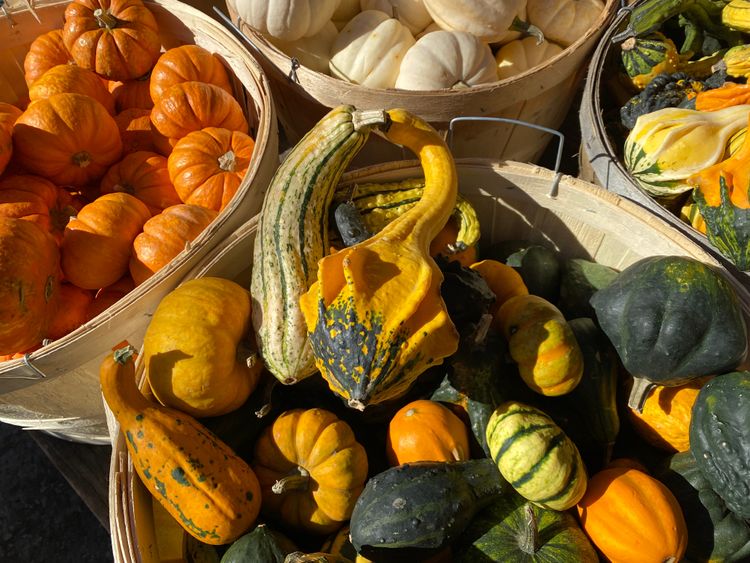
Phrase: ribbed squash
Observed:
(212, 493)
(131, 94)
(193, 348)
(542, 344)
(70, 78)
(46, 51)
(187, 63)
(375, 316)
(535, 456)
(8, 116)
(736, 61)
(135, 131)
(632, 517)
(736, 14)
(263, 545)
(293, 236)
(311, 470)
(730, 94)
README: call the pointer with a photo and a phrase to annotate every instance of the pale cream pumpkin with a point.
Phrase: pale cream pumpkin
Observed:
(489, 20)
(287, 20)
(314, 52)
(446, 59)
(511, 35)
(411, 13)
(347, 10)
(564, 21)
(369, 50)
(521, 55)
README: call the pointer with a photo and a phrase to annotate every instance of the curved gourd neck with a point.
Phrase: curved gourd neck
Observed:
(117, 378)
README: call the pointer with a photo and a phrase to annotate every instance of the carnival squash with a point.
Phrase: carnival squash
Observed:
(488, 20)
(96, 244)
(29, 284)
(196, 351)
(564, 21)
(69, 139)
(187, 63)
(145, 176)
(520, 55)
(632, 517)
(286, 19)
(208, 166)
(66, 78)
(117, 39)
(375, 317)
(643, 58)
(46, 51)
(131, 94)
(198, 479)
(135, 131)
(311, 470)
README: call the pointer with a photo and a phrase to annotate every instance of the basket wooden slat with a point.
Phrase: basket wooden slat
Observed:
(57, 389)
(513, 201)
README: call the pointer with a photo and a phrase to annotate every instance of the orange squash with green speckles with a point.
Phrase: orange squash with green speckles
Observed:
(212, 493)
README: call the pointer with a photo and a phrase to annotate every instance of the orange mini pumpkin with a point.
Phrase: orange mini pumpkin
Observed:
(97, 243)
(164, 236)
(447, 237)
(46, 51)
(143, 175)
(131, 94)
(69, 139)
(187, 63)
(8, 116)
(633, 518)
(426, 431)
(135, 130)
(70, 78)
(192, 106)
(108, 296)
(73, 304)
(207, 166)
(503, 280)
(118, 39)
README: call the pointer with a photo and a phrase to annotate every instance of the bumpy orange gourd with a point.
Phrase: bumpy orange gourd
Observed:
(187, 63)
(135, 130)
(108, 296)
(46, 51)
(426, 431)
(212, 493)
(311, 470)
(207, 166)
(144, 175)
(131, 94)
(730, 94)
(96, 244)
(542, 344)
(195, 350)
(67, 138)
(192, 106)
(665, 420)
(72, 79)
(118, 39)
(164, 236)
(29, 283)
(8, 116)
(73, 304)
(503, 280)
(633, 518)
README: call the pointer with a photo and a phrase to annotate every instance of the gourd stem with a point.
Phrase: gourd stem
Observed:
(639, 393)
(483, 327)
(122, 355)
(81, 159)
(105, 19)
(124, 188)
(628, 44)
(268, 389)
(527, 28)
(227, 161)
(299, 481)
(529, 542)
(368, 118)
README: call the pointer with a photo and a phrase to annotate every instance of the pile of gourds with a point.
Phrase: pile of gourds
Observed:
(121, 156)
(420, 44)
(687, 62)
(372, 398)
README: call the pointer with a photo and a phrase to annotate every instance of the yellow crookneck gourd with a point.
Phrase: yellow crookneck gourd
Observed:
(375, 316)
(213, 494)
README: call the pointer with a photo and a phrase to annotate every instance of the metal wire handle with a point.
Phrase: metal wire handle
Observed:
(558, 175)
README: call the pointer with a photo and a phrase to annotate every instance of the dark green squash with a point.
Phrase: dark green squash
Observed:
(579, 280)
(466, 295)
(671, 319)
(720, 438)
(538, 265)
(714, 532)
(415, 510)
(646, 57)
(262, 545)
(512, 529)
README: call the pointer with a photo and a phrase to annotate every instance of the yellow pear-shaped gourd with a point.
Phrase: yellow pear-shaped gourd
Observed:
(375, 316)
(191, 348)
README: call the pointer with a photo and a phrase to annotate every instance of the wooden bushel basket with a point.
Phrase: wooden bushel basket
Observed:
(57, 387)
(542, 96)
(513, 201)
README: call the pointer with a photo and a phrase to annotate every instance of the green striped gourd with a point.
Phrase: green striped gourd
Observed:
(644, 58)
(535, 456)
(379, 204)
(293, 236)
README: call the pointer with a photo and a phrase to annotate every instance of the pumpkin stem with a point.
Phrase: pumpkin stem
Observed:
(298, 481)
(123, 355)
(527, 28)
(368, 118)
(82, 159)
(529, 542)
(227, 161)
(639, 393)
(105, 19)
(124, 188)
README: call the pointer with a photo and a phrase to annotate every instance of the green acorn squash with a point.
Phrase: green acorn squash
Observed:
(512, 529)
(579, 280)
(538, 265)
(720, 438)
(649, 314)
(262, 544)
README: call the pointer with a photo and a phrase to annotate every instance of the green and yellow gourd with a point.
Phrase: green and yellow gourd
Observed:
(736, 61)
(736, 14)
(375, 316)
(644, 58)
(535, 456)
(293, 236)
(212, 493)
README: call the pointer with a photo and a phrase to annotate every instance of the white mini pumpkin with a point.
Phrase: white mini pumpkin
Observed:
(369, 50)
(446, 59)
(523, 54)
(511, 35)
(346, 11)
(287, 20)
(489, 20)
(564, 21)
(314, 52)
(411, 13)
